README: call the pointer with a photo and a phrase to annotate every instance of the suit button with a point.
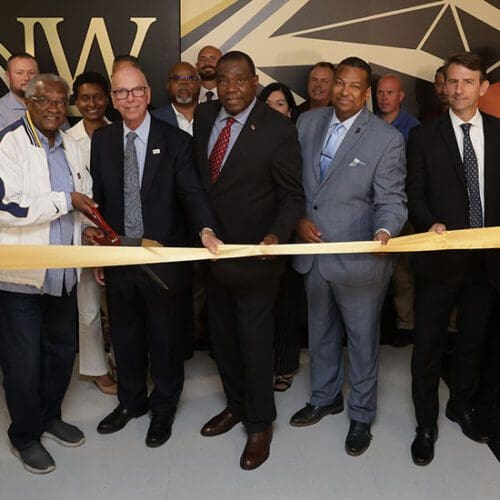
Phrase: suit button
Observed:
(315, 207)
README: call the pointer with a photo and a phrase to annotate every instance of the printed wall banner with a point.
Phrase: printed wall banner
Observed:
(70, 37)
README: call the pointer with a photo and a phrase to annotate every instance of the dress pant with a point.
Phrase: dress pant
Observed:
(147, 326)
(434, 303)
(334, 309)
(241, 319)
(37, 352)
(290, 322)
(92, 357)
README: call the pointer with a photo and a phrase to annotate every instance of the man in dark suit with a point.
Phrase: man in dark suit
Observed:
(354, 169)
(453, 183)
(146, 185)
(249, 161)
(183, 88)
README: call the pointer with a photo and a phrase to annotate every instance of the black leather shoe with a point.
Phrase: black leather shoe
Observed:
(358, 438)
(118, 419)
(422, 448)
(467, 421)
(311, 414)
(160, 429)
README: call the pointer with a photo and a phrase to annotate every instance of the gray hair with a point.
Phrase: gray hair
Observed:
(45, 77)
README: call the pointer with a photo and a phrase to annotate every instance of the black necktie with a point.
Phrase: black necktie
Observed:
(472, 179)
(209, 95)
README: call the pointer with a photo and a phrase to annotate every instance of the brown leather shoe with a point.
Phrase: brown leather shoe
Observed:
(221, 423)
(256, 450)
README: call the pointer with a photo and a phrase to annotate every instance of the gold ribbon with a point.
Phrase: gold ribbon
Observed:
(61, 256)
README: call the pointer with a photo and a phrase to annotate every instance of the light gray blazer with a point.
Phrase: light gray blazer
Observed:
(362, 191)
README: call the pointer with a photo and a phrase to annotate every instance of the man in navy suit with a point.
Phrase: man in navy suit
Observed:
(453, 183)
(353, 175)
(183, 89)
(146, 185)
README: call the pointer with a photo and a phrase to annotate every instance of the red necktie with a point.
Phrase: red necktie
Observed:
(219, 150)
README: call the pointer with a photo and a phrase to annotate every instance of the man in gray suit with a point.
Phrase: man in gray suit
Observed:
(354, 179)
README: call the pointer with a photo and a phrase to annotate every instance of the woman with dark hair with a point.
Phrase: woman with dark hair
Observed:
(279, 97)
(290, 316)
(91, 93)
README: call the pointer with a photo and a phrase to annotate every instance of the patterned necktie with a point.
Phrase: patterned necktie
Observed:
(329, 149)
(219, 150)
(132, 213)
(209, 95)
(472, 179)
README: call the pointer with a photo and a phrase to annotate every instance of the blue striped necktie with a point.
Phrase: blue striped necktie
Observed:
(329, 149)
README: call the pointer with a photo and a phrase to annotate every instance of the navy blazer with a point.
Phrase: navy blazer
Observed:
(174, 204)
(166, 114)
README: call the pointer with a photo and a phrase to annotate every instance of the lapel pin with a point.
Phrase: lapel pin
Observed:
(252, 126)
(357, 130)
(78, 176)
(156, 151)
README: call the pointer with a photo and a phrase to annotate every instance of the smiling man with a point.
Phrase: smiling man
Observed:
(319, 86)
(249, 162)
(21, 68)
(147, 186)
(453, 183)
(353, 176)
(45, 187)
(205, 64)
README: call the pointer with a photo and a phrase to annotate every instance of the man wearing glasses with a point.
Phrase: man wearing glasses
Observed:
(183, 88)
(44, 190)
(146, 186)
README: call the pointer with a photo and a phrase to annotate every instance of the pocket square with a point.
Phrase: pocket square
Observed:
(357, 163)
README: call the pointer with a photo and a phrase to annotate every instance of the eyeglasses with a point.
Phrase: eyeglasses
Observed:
(186, 78)
(124, 93)
(44, 102)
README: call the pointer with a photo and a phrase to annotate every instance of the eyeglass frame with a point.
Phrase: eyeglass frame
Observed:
(142, 89)
(44, 102)
(183, 78)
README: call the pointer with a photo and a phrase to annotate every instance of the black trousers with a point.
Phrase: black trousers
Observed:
(433, 306)
(291, 321)
(241, 319)
(148, 327)
(37, 352)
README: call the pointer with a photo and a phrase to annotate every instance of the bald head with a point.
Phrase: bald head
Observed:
(184, 84)
(208, 58)
(390, 95)
(131, 95)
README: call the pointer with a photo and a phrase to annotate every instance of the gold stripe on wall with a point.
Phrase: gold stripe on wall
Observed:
(194, 13)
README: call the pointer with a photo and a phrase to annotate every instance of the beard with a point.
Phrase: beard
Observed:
(207, 73)
(19, 92)
(183, 99)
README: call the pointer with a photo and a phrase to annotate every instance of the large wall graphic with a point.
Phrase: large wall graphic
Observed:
(407, 37)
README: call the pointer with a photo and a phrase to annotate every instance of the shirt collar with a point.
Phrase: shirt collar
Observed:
(142, 130)
(240, 117)
(346, 123)
(45, 142)
(178, 114)
(475, 121)
(13, 103)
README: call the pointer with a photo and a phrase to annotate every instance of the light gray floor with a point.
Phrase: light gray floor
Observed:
(305, 463)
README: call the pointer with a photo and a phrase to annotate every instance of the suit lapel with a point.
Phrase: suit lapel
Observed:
(351, 138)
(205, 130)
(152, 161)
(244, 142)
(117, 155)
(450, 140)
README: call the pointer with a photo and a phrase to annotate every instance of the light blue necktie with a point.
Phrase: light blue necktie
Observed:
(132, 213)
(472, 178)
(330, 147)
